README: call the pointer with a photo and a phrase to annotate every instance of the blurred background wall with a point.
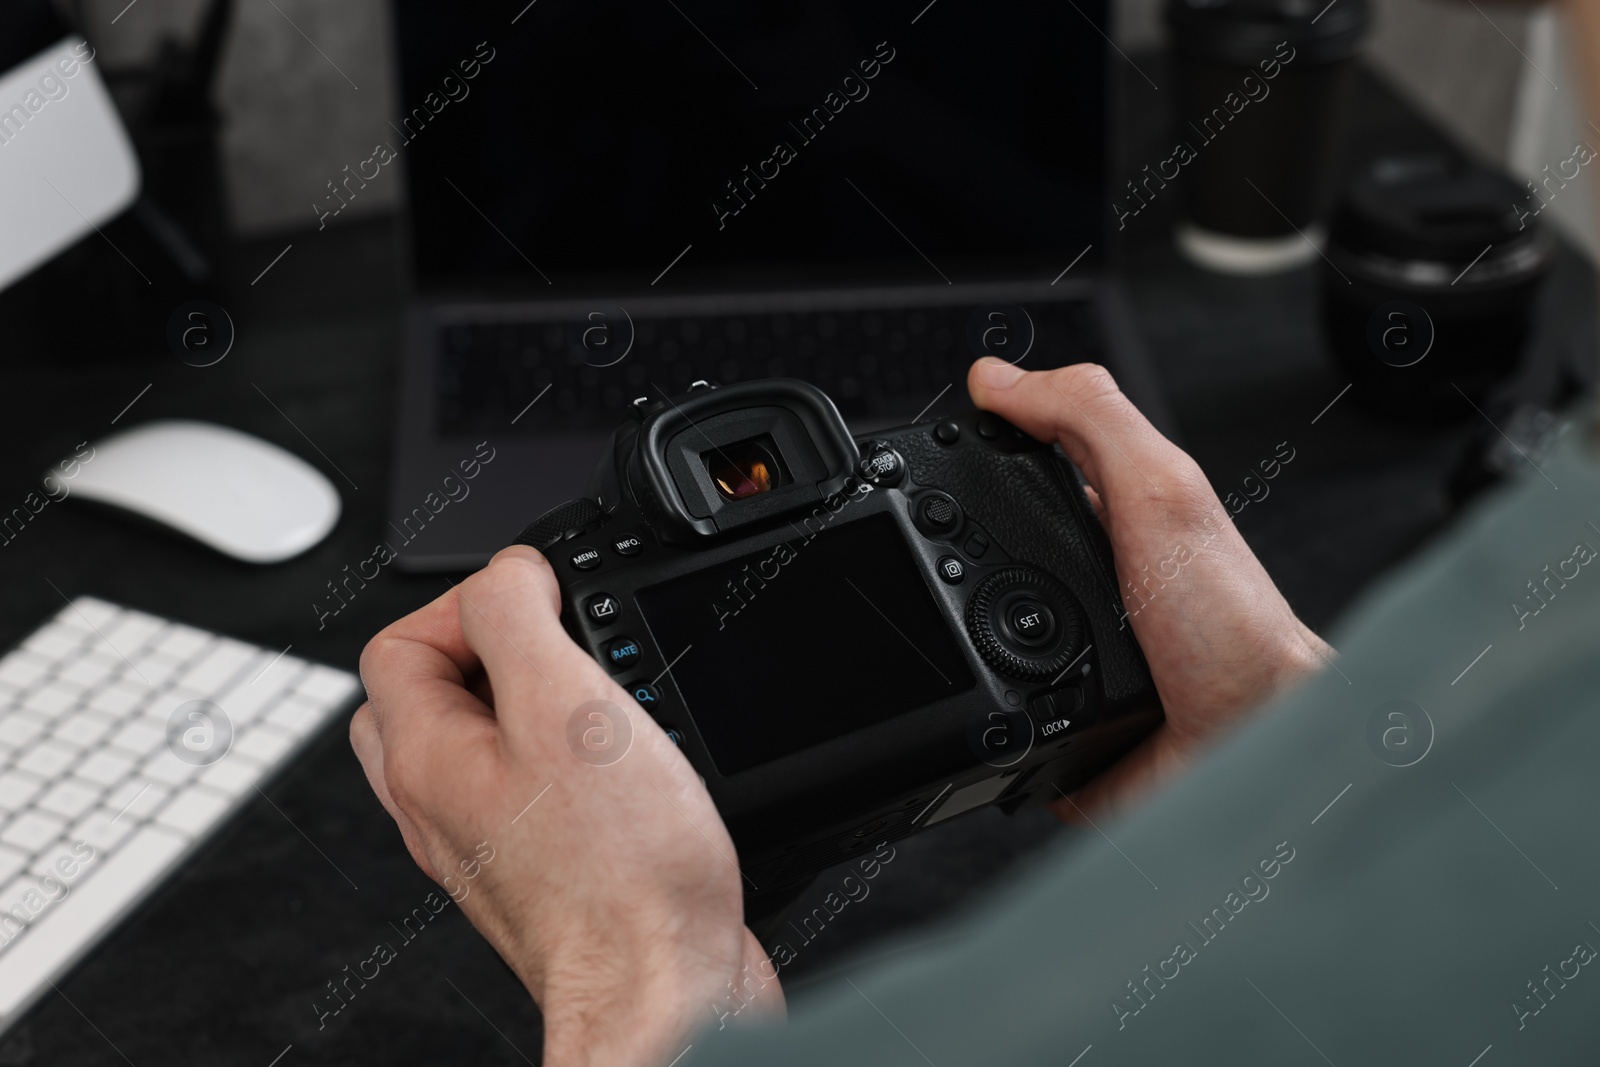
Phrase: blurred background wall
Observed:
(305, 89)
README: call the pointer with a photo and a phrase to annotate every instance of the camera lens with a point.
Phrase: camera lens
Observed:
(743, 469)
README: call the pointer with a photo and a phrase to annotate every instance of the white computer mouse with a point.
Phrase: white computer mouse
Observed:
(236, 493)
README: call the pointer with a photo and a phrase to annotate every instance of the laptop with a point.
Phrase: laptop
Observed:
(609, 201)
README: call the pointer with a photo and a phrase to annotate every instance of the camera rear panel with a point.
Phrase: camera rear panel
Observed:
(941, 635)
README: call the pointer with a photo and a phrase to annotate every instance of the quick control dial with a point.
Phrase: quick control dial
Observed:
(1025, 623)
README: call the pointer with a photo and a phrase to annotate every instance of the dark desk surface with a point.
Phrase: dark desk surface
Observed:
(224, 964)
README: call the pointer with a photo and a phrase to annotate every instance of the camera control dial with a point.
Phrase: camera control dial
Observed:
(1025, 623)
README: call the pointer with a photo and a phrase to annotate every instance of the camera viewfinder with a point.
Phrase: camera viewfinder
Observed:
(745, 468)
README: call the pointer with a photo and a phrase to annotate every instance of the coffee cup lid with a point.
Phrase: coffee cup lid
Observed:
(1244, 32)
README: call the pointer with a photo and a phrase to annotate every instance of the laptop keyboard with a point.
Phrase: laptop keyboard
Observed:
(101, 796)
(880, 365)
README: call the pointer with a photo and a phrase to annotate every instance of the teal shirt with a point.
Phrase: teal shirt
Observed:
(1398, 863)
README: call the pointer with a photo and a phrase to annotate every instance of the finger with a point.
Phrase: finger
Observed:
(425, 648)
(369, 751)
(510, 615)
(438, 625)
(1096, 503)
(432, 729)
(1081, 408)
(1157, 758)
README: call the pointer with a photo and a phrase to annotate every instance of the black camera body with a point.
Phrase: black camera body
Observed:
(850, 640)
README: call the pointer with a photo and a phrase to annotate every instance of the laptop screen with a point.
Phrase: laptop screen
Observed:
(679, 145)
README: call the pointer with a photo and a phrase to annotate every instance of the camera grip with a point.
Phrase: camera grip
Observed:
(1033, 501)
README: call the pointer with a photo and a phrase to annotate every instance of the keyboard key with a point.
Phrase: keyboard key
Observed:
(64, 861)
(82, 728)
(282, 671)
(168, 769)
(103, 829)
(132, 632)
(70, 925)
(12, 913)
(15, 916)
(298, 717)
(264, 743)
(105, 767)
(246, 700)
(141, 737)
(55, 641)
(54, 697)
(11, 862)
(18, 728)
(213, 671)
(32, 830)
(17, 788)
(47, 759)
(89, 670)
(181, 642)
(132, 801)
(70, 799)
(193, 810)
(232, 776)
(326, 685)
(21, 669)
(153, 670)
(121, 698)
(87, 613)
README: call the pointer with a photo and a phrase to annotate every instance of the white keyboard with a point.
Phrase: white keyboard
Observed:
(109, 775)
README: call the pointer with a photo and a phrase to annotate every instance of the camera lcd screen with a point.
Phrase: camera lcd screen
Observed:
(805, 642)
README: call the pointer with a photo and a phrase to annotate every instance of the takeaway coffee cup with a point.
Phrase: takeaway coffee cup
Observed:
(1260, 87)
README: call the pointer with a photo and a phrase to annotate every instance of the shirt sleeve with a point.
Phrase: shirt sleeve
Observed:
(1395, 864)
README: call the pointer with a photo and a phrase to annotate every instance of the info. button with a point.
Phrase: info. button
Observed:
(629, 545)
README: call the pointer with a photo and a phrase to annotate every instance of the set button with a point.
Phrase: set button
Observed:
(1031, 622)
(622, 653)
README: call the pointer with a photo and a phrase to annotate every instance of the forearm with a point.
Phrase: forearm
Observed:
(639, 1001)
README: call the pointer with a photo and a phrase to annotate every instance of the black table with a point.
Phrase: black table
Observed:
(224, 965)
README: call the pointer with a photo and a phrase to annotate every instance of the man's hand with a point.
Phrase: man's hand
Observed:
(1218, 636)
(612, 891)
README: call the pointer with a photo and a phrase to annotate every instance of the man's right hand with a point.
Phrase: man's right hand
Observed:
(1219, 637)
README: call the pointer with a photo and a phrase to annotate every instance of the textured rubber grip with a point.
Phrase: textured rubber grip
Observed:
(561, 522)
(1032, 502)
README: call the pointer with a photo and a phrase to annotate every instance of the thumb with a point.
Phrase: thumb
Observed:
(1080, 407)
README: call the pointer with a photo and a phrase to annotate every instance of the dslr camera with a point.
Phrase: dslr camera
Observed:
(850, 639)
